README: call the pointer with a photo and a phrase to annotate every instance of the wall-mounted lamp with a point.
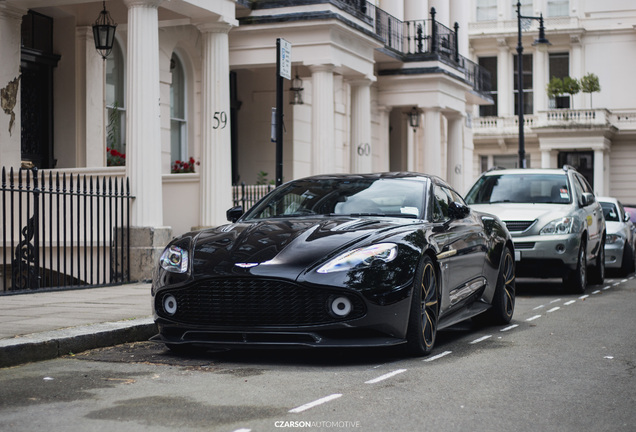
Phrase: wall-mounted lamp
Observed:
(104, 32)
(296, 90)
(414, 118)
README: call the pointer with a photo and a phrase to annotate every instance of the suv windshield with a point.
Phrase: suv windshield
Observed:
(520, 188)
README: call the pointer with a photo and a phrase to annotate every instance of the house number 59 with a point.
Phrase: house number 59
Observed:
(220, 120)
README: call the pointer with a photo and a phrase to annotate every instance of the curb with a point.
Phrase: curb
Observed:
(53, 344)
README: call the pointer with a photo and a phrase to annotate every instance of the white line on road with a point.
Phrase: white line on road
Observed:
(555, 301)
(554, 309)
(539, 307)
(481, 339)
(568, 303)
(583, 297)
(315, 403)
(624, 280)
(243, 430)
(596, 292)
(385, 376)
(438, 356)
(616, 283)
(509, 327)
(533, 318)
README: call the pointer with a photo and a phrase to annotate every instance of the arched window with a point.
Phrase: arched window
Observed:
(115, 107)
(178, 122)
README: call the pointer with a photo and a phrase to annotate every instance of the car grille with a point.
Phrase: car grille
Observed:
(255, 302)
(518, 226)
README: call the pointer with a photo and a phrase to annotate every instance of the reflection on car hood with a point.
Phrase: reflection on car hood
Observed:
(280, 247)
(524, 211)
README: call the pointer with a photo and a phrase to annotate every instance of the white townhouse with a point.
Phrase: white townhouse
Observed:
(385, 85)
(595, 132)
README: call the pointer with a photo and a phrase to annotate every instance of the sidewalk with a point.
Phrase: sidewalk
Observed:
(46, 325)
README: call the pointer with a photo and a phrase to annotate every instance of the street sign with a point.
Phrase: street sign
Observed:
(285, 59)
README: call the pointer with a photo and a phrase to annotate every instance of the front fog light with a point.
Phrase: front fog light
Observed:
(170, 304)
(341, 306)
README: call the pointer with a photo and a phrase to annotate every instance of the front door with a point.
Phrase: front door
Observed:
(583, 162)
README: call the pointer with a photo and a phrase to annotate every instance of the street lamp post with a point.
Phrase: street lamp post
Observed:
(540, 41)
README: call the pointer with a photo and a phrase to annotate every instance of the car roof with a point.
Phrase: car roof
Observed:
(607, 199)
(531, 171)
(382, 175)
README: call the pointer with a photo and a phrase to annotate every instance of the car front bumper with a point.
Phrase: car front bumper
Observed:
(614, 254)
(546, 255)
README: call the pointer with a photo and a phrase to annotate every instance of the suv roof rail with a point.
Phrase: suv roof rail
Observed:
(568, 168)
(495, 168)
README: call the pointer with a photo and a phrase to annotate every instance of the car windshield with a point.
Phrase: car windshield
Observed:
(610, 212)
(520, 188)
(354, 197)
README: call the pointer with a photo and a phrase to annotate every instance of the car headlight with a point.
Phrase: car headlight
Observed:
(559, 226)
(174, 259)
(613, 238)
(363, 257)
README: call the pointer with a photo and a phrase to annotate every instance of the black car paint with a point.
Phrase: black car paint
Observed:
(466, 249)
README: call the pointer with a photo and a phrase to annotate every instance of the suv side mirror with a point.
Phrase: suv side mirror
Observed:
(457, 210)
(627, 217)
(234, 213)
(587, 199)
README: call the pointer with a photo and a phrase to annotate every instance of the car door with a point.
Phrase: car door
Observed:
(462, 248)
(593, 215)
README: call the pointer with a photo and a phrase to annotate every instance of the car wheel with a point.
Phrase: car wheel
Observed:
(627, 265)
(597, 274)
(577, 279)
(422, 327)
(503, 302)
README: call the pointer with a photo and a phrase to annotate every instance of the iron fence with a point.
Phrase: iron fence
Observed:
(62, 230)
(247, 195)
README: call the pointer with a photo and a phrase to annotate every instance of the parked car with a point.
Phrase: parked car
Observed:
(555, 221)
(620, 240)
(340, 260)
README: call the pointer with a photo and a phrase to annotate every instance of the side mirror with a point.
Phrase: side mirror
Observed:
(627, 217)
(457, 210)
(587, 199)
(234, 213)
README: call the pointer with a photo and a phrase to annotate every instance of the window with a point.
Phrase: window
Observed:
(490, 64)
(560, 68)
(486, 10)
(115, 108)
(178, 123)
(528, 106)
(558, 8)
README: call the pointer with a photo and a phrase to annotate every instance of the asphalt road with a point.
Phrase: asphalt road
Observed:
(566, 363)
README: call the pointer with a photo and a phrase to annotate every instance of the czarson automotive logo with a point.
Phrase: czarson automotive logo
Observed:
(317, 424)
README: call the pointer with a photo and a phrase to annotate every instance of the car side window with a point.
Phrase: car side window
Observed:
(442, 201)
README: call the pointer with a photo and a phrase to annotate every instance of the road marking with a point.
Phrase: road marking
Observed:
(568, 303)
(539, 307)
(533, 318)
(583, 297)
(624, 280)
(509, 327)
(554, 309)
(606, 287)
(385, 376)
(481, 339)
(438, 356)
(616, 283)
(596, 292)
(555, 301)
(243, 430)
(315, 403)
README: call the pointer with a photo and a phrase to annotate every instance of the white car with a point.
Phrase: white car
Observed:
(620, 241)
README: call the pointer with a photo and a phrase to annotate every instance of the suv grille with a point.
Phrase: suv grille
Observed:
(518, 226)
(255, 302)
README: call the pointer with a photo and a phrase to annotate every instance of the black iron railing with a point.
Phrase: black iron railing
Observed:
(247, 195)
(62, 230)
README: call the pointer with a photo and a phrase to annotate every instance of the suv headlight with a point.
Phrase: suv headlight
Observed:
(363, 257)
(562, 225)
(613, 238)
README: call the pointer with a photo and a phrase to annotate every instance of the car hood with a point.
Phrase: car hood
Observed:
(524, 211)
(282, 247)
(614, 227)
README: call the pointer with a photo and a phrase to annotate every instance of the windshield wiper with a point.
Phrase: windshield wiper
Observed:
(402, 215)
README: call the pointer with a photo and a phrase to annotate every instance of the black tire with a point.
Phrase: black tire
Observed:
(424, 315)
(577, 279)
(627, 266)
(597, 273)
(503, 301)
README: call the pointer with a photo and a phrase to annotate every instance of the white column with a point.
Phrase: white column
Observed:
(504, 80)
(416, 10)
(322, 119)
(599, 173)
(10, 52)
(469, 151)
(455, 156)
(216, 155)
(432, 155)
(577, 69)
(540, 80)
(381, 148)
(90, 100)
(460, 14)
(361, 149)
(393, 7)
(412, 140)
(442, 11)
(143, 137)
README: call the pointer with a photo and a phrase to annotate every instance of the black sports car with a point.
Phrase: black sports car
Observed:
(337, 260)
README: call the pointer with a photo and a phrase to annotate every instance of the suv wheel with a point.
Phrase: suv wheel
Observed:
(576, 281)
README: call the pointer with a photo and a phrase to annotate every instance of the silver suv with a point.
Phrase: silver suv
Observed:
(556, 223)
